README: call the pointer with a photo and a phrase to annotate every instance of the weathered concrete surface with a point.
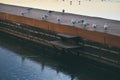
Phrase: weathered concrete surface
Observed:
(114, 26)
(34, 18)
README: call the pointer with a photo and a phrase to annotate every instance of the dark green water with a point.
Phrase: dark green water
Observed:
(22, 60)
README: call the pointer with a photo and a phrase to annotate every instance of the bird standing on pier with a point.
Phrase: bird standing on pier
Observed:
(82, 21)
(44, 17)
(73, 21)
(58, 19)
(85, 24)
(22, 13)
(29, 9)
(105, 26)
(94, 25)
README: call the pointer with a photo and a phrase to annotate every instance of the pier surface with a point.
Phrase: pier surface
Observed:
(65, 18)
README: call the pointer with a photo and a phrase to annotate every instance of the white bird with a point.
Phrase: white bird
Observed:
(106, 26)
(58, 19)
(94, 25)
(85, 24)
(44, 17)
(73, 21)
(81, 21)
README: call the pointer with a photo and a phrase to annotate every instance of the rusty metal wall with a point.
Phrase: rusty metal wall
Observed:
(90, 35)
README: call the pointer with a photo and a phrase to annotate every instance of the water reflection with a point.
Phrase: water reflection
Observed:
(21, 60)
(14, 68)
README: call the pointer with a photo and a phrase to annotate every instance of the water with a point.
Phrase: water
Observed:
(106, 9)
(13, 68)
(19, 64)
(22, 60)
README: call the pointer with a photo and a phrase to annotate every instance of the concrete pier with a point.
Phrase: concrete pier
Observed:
(70, 24)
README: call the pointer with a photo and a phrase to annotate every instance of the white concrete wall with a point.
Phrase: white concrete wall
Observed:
(110, 10)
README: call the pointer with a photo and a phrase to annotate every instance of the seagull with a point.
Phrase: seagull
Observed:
(58, 19)
(44, 17)
(106, 26)
(94, 25)
(85, 24)
(82, 21)
(73, 21)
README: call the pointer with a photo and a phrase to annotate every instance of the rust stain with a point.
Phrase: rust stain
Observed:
(71, 30)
